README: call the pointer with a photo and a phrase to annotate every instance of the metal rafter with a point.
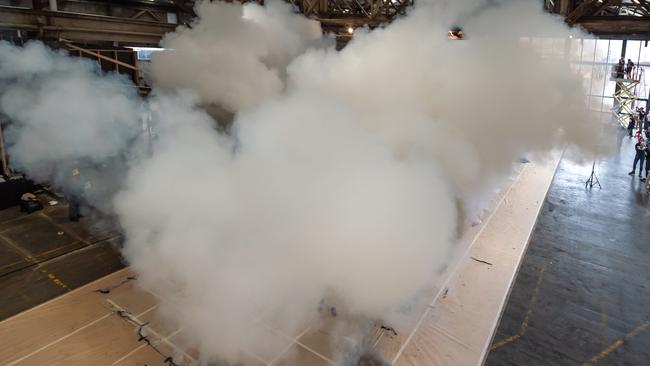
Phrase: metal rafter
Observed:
(605, 8)
(340, 14)
(612, 18)
(588, 7)
(620, 8)
(82, 27)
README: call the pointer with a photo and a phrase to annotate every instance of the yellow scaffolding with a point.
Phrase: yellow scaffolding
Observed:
(624, 99)
(625, 95)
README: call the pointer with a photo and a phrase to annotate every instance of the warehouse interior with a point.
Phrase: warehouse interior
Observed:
(324, 182)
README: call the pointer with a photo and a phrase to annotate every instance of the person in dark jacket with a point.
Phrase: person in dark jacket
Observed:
(640, 149)
(73, 192)
(630, 126)
(642, 117)
(619, 69)
(647, 162)
(628, 68)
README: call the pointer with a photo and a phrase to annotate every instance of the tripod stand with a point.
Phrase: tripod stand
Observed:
(593, 179)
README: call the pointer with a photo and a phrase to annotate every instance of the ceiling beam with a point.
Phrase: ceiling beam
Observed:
(566, 6)
(587, 8)
(623, 27)
(645, 5)
(83, 27)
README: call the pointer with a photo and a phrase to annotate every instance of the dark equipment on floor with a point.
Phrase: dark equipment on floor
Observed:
(29, 203)
(11, 189)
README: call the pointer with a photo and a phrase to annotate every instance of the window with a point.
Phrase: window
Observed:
(144, 53)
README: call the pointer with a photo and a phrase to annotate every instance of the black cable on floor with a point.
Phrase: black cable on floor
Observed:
(169, 360)
(107, 290)
(388, 328)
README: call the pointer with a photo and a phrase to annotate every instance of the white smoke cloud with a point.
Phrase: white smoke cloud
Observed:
(62, 108)
(485, 101)
(303, 207)
(234, 56)
(342, 183)
(64, 115)
(344, 187)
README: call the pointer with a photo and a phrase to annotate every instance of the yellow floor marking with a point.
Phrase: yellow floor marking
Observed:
(61, 248)
(524, 324)
(21, 251)
(612, 347)
(30, 258)
(54, 279)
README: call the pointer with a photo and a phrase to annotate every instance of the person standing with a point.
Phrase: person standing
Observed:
(73, 192)
(647, 164)
(620, 68)
(640, 149)
(630, 125)
(628, 68)
(641, 114)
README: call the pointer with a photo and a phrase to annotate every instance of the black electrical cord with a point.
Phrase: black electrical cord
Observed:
(107, 290)
(169, 360)
(388, 328)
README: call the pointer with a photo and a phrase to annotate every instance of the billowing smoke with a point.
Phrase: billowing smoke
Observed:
(310, 204)
(341, 178)
(474, 106)
(234, 56)
(65, 116)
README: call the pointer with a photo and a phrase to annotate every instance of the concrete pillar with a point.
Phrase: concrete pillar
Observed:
(53, 5)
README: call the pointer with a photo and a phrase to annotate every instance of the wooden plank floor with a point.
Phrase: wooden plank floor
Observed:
(582, 295)
(457, 327)
(83, 327)
(86, 326)
(43, 255)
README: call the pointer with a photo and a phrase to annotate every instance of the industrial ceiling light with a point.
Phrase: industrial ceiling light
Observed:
(350, 30)
(455, 33)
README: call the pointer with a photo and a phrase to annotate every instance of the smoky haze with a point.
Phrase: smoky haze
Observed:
(342, 176)
(65, 115)
(234, 56)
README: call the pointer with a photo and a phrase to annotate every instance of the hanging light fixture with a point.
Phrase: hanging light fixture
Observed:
(455, 33)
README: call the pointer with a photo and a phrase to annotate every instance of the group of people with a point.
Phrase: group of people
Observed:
(623, 70)
(641, 124)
